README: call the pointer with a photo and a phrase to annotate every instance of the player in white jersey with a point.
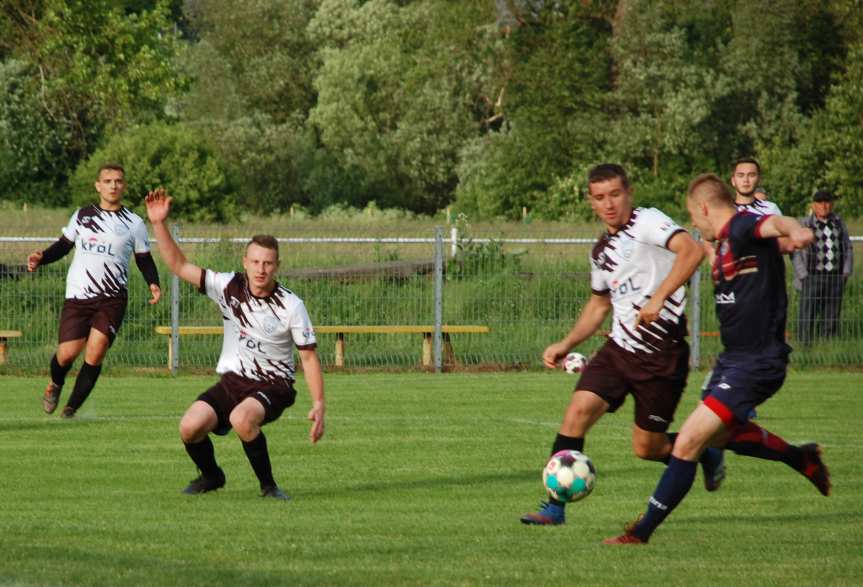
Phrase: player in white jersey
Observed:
(263, 323)
(745, 177)
(104, 236)
(638, 271)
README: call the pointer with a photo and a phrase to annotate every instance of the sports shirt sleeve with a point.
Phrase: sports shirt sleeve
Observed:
(598, 282)
(654, 227)
(213, 284)
(302, 331)
(142, 241)
(70, 231)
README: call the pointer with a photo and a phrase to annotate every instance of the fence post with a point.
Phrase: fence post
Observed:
(175, 310)
(695, 313)
(438, 299)
(453, 247)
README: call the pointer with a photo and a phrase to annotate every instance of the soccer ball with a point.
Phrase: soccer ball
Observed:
(569, 476)
(574, 363)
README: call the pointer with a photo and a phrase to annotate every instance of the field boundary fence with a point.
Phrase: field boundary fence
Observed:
(527, 290)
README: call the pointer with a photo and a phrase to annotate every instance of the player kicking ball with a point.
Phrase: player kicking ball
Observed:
(263, 323)
(751, 303)
(638, 270)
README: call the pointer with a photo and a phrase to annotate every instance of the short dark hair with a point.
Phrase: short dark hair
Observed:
(710, 188)
(267, 241)
(112, 167)
(742, 160)
(607, 171)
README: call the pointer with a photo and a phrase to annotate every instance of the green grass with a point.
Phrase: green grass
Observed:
(420, 480)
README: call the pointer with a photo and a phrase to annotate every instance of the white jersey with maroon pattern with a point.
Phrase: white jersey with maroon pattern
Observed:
(760, 208)
(104, 243)
(629, 266)
(260, 333)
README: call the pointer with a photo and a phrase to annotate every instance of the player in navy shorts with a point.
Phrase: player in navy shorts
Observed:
(751, 303)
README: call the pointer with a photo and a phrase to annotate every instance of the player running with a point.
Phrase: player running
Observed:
(263, 322)
(751, 303)
(104, 236)
(638, 271)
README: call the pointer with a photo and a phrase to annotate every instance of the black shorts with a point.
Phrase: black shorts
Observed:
(231, 389)
(656, 381)
(742, 381)
(79, 316)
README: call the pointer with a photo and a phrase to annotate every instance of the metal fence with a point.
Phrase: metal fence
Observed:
(527, 291)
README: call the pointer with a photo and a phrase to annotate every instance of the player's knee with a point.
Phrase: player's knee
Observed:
(244, 425)
(649, 449)
(687, 448)
(191, 430)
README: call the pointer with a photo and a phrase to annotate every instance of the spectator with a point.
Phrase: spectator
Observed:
(821, 270)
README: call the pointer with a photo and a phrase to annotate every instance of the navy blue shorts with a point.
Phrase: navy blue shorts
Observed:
(742, 381)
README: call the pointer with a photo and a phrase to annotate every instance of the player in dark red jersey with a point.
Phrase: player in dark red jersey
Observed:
(264, 322)
(749, 278)
(104, 236)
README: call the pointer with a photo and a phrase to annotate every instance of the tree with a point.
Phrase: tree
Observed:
(177, 157)
(94, 67)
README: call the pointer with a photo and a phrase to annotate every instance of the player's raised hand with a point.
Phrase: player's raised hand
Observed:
(158, 204)
(316, 416)
(156, 291)
(33, 261)
(553, 354)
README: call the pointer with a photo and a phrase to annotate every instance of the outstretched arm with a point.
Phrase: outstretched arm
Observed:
(315, 382)
(798, 236)
(158, 207)
(590, 319)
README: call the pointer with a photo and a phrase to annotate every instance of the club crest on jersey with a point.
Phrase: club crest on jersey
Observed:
(270, 324)
(627, 245)
(121, 229)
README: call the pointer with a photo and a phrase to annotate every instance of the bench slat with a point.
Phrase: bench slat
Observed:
(10, 333)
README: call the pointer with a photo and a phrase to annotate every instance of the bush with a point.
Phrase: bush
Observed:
(177, 157)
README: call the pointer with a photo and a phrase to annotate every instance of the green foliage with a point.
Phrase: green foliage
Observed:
(396, 93)
(177, 157)
(95, 68)
(32, 168)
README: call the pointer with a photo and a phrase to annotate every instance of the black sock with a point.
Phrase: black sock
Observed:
(259, 457)
(87, 377)
(204, 456)
(673, 486)
(562, 442)
(58, 371)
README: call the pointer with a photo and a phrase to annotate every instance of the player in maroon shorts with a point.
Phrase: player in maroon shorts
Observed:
(264, 322)
(751, 303)
(104, 236)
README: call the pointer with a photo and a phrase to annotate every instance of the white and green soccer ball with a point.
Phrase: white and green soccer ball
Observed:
(574, 363)
(569, 476)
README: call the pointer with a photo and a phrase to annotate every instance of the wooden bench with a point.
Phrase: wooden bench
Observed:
(340, 332)
(5, 335)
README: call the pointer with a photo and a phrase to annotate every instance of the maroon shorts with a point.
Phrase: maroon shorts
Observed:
(231, 389)
(103, 314)
(656, 382)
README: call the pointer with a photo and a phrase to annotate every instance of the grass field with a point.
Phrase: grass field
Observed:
(419, 481)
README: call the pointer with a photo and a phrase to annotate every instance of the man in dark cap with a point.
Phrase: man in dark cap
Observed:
(821, 270)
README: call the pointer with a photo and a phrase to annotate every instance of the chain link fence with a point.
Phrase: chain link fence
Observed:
(527, 291)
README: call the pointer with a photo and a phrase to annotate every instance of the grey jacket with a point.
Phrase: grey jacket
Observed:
(800, 259)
